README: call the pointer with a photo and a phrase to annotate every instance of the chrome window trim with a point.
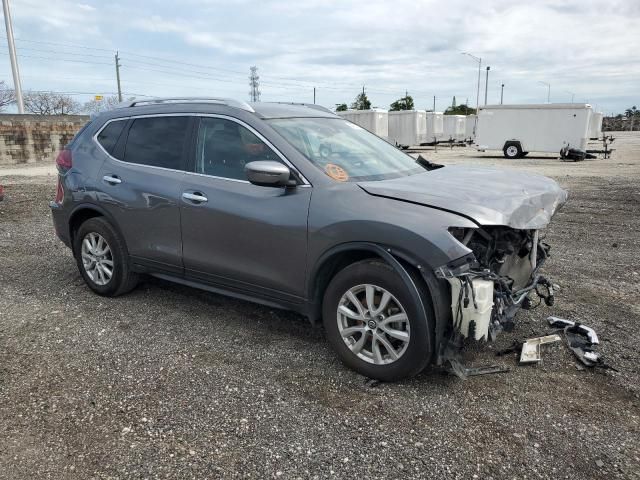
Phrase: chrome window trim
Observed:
(305, 183)
(262, 138)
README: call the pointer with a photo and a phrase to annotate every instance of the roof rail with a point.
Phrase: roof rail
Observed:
(229, 102)
(315, 106)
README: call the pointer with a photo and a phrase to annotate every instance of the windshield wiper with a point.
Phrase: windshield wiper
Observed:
(426, 164)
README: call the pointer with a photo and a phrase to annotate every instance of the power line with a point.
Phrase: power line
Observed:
(282, 82)
(59, 59)
(327, 85)
(58, 52)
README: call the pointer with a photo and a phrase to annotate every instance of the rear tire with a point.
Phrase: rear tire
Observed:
(385, 341)
(103, 259)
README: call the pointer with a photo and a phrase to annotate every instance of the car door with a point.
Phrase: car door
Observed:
(140, 187)
(236, 234)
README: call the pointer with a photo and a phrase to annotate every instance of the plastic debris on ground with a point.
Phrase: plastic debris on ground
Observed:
(582, 341)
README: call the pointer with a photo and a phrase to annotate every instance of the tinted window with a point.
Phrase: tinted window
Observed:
(157, 141)
(224, 147)
(110, 134)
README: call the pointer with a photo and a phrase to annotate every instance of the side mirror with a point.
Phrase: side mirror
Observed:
(268, 173)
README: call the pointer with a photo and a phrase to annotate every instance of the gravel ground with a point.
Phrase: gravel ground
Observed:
(171, 382)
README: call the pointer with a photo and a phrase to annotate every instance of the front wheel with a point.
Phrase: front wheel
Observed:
(373, 323)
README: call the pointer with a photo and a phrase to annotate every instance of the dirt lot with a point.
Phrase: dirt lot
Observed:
(170, 382)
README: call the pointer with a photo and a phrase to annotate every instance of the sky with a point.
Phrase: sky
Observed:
(588, 51)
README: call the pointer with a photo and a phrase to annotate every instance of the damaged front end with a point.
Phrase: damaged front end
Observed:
(500, 276)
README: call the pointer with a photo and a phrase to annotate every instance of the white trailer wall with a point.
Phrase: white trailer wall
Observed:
(470, 127)
(538, 127)
(374, 120)
(454, 127)
(408, 127)
(435, 126)
(595, 125)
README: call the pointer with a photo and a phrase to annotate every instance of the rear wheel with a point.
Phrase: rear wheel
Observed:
(373, 324)
(102, 258)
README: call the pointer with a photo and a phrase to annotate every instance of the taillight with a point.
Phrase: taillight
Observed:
(59, 192)
(63, 161)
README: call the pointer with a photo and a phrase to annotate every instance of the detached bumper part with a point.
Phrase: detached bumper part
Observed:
(531, 348)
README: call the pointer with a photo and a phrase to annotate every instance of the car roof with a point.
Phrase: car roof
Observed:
(263, 110)
(290, 110)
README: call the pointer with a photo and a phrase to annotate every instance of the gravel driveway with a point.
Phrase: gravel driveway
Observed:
(171, 382)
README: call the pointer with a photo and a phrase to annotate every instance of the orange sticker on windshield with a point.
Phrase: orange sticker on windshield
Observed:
(336, 172)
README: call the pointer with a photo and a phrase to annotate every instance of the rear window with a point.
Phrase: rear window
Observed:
(110, 134)
(157, 141)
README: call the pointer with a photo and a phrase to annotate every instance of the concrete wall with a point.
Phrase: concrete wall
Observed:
(36, 138)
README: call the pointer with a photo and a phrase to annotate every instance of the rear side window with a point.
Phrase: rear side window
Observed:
(157, 141)
(109, 135)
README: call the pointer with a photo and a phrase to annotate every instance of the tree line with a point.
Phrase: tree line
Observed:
(362, 102)
(53, 103)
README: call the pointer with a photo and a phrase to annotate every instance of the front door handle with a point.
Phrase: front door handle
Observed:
(112, 179)
(195, 197)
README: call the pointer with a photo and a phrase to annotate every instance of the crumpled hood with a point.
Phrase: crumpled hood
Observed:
(489, 196)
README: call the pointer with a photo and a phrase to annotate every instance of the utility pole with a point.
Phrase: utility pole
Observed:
(314, 95)
(486, 85)
(118, 77)
(17, 86)
(479, 60)
(501, 93)
(254, 93)
(434, 103)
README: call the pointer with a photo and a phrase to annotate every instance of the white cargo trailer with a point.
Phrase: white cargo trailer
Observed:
(374, 120)
(408, 127)
(435, 127)
(470, 127)
(520, 129)
(595, 125)
(454, 127)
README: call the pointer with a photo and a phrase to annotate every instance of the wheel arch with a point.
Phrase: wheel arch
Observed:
(417, 277)
(83, 212)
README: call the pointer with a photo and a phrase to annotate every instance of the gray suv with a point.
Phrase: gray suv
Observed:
(288, 205)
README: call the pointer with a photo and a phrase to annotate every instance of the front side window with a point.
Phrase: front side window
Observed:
(109, 135)
(157, 141)
(345, 151)
(224, 147)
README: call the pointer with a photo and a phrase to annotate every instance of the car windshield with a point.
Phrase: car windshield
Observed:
(345, 151)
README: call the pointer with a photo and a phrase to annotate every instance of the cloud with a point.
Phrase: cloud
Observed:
(586, 47)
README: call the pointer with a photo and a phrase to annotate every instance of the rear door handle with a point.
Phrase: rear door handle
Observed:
(195, 197)
(112, 179)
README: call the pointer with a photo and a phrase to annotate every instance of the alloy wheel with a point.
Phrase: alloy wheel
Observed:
(97, 258)
(373, 324)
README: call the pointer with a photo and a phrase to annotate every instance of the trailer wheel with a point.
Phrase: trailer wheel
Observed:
(512, 150)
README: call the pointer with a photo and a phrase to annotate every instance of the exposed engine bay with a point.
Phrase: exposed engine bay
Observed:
(499, 277)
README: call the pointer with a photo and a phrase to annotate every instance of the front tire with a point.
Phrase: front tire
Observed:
(102, 258)
(373, 323)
